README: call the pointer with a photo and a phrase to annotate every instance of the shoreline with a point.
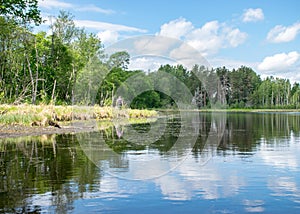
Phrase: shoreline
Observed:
(9, 131)
(73, 127)
(250, 110)
(31, 120)
(233, 110)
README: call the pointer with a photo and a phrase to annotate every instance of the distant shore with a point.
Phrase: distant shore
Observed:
(233, 110)
(249, 110)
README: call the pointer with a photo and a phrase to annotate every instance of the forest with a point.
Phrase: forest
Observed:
(46, 67)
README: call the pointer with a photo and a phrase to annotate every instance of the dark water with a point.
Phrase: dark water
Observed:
(199, 163)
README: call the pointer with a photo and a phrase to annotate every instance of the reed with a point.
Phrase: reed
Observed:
(44, 115)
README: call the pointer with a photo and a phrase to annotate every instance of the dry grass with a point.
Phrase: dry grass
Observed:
(43, 115)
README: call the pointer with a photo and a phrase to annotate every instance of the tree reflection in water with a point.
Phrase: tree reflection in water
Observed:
(51, 172)
(40, 165)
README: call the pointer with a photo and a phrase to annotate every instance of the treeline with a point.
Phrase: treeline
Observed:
(67, 64)
(40, 67)
(218, 88)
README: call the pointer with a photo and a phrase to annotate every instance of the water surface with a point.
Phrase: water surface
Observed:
(173, 165)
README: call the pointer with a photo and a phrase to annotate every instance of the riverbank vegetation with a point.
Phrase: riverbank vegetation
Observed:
(68, 66)
(44, 115)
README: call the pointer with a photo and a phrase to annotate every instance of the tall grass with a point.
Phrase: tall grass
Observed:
(42, 115)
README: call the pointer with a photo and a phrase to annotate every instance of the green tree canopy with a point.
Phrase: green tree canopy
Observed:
(21, 10)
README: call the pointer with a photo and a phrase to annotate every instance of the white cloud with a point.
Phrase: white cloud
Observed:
(157, 45)
(148, 63)
(279, 62)
(253, 15)
(290, 72)
(282, 65)
(167, 48)
(230, 63)
(102, 26)
(176, 28)
(108, 32)
(208, 39)
(93, 8)
(281, 33)
(49, 4)
(188, 56)
(235, 37)
(213, 36)
(108, 37)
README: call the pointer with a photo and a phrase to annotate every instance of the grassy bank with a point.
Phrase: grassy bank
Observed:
(44, 115)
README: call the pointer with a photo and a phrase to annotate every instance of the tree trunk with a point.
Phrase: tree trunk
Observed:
(33, 98)
(53, 92)
(37, 72)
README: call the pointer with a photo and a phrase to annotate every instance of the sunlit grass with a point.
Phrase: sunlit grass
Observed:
(41, 115)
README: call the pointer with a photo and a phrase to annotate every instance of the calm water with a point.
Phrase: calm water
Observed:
(199, 163)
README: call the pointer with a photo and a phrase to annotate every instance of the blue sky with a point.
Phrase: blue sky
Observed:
(261, 34)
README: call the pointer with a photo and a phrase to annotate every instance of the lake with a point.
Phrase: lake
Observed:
(181, 163)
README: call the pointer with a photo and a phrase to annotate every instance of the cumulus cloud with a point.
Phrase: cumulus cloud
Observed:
(165, 47)
(235, 37)
(108, 37)
(176, 28)
(213, 36)
(208, 39)
(231, 63)
(188, 56)
(253, 15)
(281, 33)
(279, 62)
(157, 45)
(148, 63)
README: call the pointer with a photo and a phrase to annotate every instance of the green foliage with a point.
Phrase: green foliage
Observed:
(243, 81)
(119, 60)
(21, 10)
(68, 66)
(37, 67)
(149, 99)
